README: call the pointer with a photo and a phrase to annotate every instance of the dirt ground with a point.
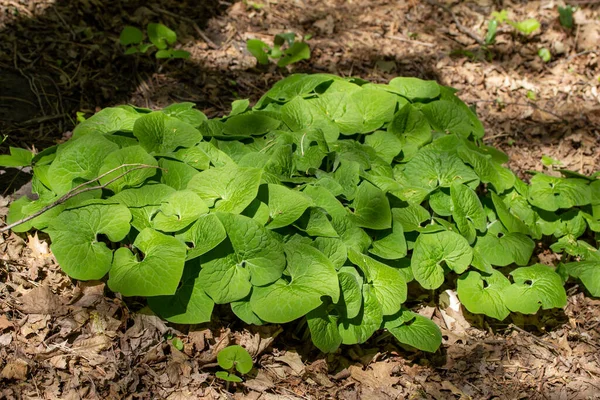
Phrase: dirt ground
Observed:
(75, 340)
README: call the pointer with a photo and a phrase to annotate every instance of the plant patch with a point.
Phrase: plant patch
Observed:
(323, 201)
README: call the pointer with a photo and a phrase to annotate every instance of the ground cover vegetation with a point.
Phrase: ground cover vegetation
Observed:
(323, 201)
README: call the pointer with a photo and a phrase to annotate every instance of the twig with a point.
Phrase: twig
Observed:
(78, 190)
(401, 39)
(535, 338)
(199, 31)
(42, 119)
(459, 26)
(519, 104)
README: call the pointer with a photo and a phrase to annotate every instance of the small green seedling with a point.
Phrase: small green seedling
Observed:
(544, 54)
(285, 49)
(233, 358)
(525, 27)
(531, 95)
(565, 16)
(549, 161)
(160, 36)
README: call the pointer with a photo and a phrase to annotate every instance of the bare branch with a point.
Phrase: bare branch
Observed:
(77, 190)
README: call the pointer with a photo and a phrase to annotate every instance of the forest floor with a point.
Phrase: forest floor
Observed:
(65, 339)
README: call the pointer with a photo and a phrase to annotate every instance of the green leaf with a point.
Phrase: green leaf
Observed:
(411, 217)
(565, 16)
(374, 106)
(546, 56)
(351, 300)
(512, 222)
(17, 158)
(131, 35)
(337, 104)
(243, 310)
(228, 376)
(413, 129)
(588, 272)
(239, 106)
(74, 234)
(371, 207)
(179, 210)
(433, 251)
(315, 222)
(324, 329)
(250, 124)
(252, 256)
(235, 356)
(158, 273)
(175, 173)
(536, 286)
(194, 157)
(551, 193)
(490, 36)
(385, 143)
(415, 330)
(189, 305)
(160, 35)
(285, 206)
(312, 275)
(259, 50)
(80, 158)
(300, 114)
(447, 116)
(360, 328)
(185, 112)
(298, 51)
(128, 155)
(143, 203)
(107, 121)
(430, 169)
(292, 86)
(387, 283)
(160, 133)
(440, 202)
(228, 189)
(333, 248)
(172, 53)
(204, 235)
(390, 244)
(486, 168)
(501, 248)
(526, 27)
(415, 89)
(468, 211)
(482, 294)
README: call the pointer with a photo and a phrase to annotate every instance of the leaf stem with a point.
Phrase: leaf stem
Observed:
(77, 190)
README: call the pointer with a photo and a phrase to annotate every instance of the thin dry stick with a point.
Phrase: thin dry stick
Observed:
(510, 103)
(78, 190)
(199, 31)
(459, 26)
(551, 346)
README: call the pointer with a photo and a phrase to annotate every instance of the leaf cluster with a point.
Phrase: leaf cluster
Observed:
(285, 49)
(525, 27)
(320, 202)
(159, 35)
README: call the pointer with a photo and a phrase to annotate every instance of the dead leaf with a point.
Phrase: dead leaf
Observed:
(261, 383)
(90, 347)
(293, 360)
(377, 375)
(6, 339)
(41, 300)
(88, 293)
(15, 369)
(5, 323)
